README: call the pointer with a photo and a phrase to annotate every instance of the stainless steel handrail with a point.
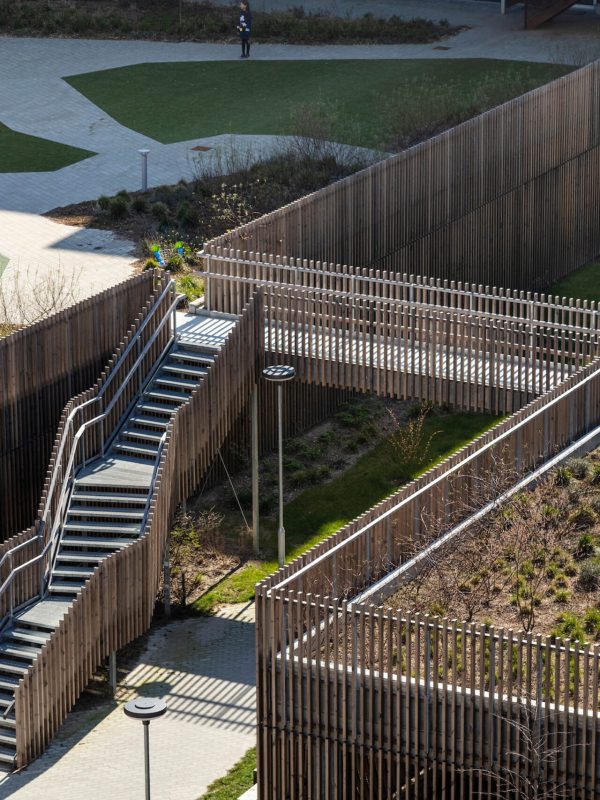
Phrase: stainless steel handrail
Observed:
(66, 477)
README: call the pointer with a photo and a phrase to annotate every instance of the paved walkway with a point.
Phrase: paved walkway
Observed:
(35, 100)
(205, 671)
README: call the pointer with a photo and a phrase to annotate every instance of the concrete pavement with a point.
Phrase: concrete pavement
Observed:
(205, 671)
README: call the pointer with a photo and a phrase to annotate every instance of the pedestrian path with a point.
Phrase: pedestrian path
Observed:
(205, 671)
(36, 100)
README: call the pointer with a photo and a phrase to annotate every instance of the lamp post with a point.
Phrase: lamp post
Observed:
(279, 374)
(145, 709)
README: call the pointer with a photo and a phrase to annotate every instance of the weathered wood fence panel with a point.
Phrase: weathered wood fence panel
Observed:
(507, 198)
(42, 368)
(493, 699)
(117, 603)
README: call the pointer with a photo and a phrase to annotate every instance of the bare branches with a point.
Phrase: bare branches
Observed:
(26, 297)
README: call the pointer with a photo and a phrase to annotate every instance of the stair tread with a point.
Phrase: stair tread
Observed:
(196, 352)
(13, 667)
(188, 369)
(154, 422)
(156, 407)
(7, 736)
(141, 447)
(97, 541)
(169, 380)
(64, 571)
(28, 636)
(63, 587)
(17, 650)
(108, 511)
(112, 497)
(166, 395)
(77, 555)
(6, 755)
(142, 434)
(102, 526)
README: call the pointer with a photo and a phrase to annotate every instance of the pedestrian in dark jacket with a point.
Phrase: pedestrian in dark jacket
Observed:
(244, 28)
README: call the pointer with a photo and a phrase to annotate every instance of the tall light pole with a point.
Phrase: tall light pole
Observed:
(145, 709)
(279, 374)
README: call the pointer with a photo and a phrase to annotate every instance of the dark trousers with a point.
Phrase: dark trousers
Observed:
(245, 45)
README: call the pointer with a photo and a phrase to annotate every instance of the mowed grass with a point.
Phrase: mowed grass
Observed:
(584, 284)
(20, 152)
(369, 103)
(238, 780)
(321, 510)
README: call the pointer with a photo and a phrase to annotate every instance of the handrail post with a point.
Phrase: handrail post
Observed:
(11, 595)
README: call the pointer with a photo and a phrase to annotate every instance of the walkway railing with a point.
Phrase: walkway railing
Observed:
(85, 431)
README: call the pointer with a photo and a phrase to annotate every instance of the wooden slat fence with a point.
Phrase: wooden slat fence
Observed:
(445, 344)
(507, 198)
(43, 367)
(354, 701)
(116, 604)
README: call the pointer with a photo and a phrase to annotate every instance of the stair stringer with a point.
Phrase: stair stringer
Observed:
(116, 604)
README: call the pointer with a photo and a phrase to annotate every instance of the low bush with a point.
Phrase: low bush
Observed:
(118, 208)
(569, 626)
(579, 468)
(584, 517)
(585, 546)
(588, 579)
(103, 202)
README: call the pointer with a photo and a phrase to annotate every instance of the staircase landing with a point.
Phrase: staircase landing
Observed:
(118, 471)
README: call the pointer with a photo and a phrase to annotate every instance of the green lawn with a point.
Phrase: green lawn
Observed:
(321, 510)
(583, 284)
(20, 152)
(238, 780)
(370, 103)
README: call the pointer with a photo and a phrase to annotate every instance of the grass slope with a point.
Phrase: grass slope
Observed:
(583, 284)
(238, 780)
(368, 103)
(20, 152)
(321, 510)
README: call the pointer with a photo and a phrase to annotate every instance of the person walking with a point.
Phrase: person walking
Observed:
(244, 28)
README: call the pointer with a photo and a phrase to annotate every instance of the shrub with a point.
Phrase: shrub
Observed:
(190, 286)
(585, 546)
(103, 202)
(562, 476)
(596, 474)
(588, 579)
(591, 621)
(175, 263)
(150, 263)
(562, 596)
(569, 626)
(118, 208)
(139, 205)
(584, 517)
(160, 211)
(579, 468)
(124, 194)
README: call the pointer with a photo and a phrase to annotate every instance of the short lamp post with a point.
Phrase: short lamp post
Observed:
(146, 709)
(279, 374)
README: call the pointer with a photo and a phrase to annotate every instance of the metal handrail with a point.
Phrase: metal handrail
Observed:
(67, 476)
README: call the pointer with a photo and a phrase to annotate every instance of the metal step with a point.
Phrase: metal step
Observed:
(152, 422)
(183, 383)
(16, 650)
(64, 571)
(197, 357)
(7, 683)
(112, 497)
(8, 722)
(136, 449)
(29, 636)
(136, 433)
(106, 527)
(12, 667)
(96, 541)
(76, 555)
(108, 511)
(178, 369)
(164, 394)
(156, 408)
(62, 588)
(7, 756)
(7, 737)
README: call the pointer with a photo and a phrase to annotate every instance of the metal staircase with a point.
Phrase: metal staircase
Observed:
(104, 512)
